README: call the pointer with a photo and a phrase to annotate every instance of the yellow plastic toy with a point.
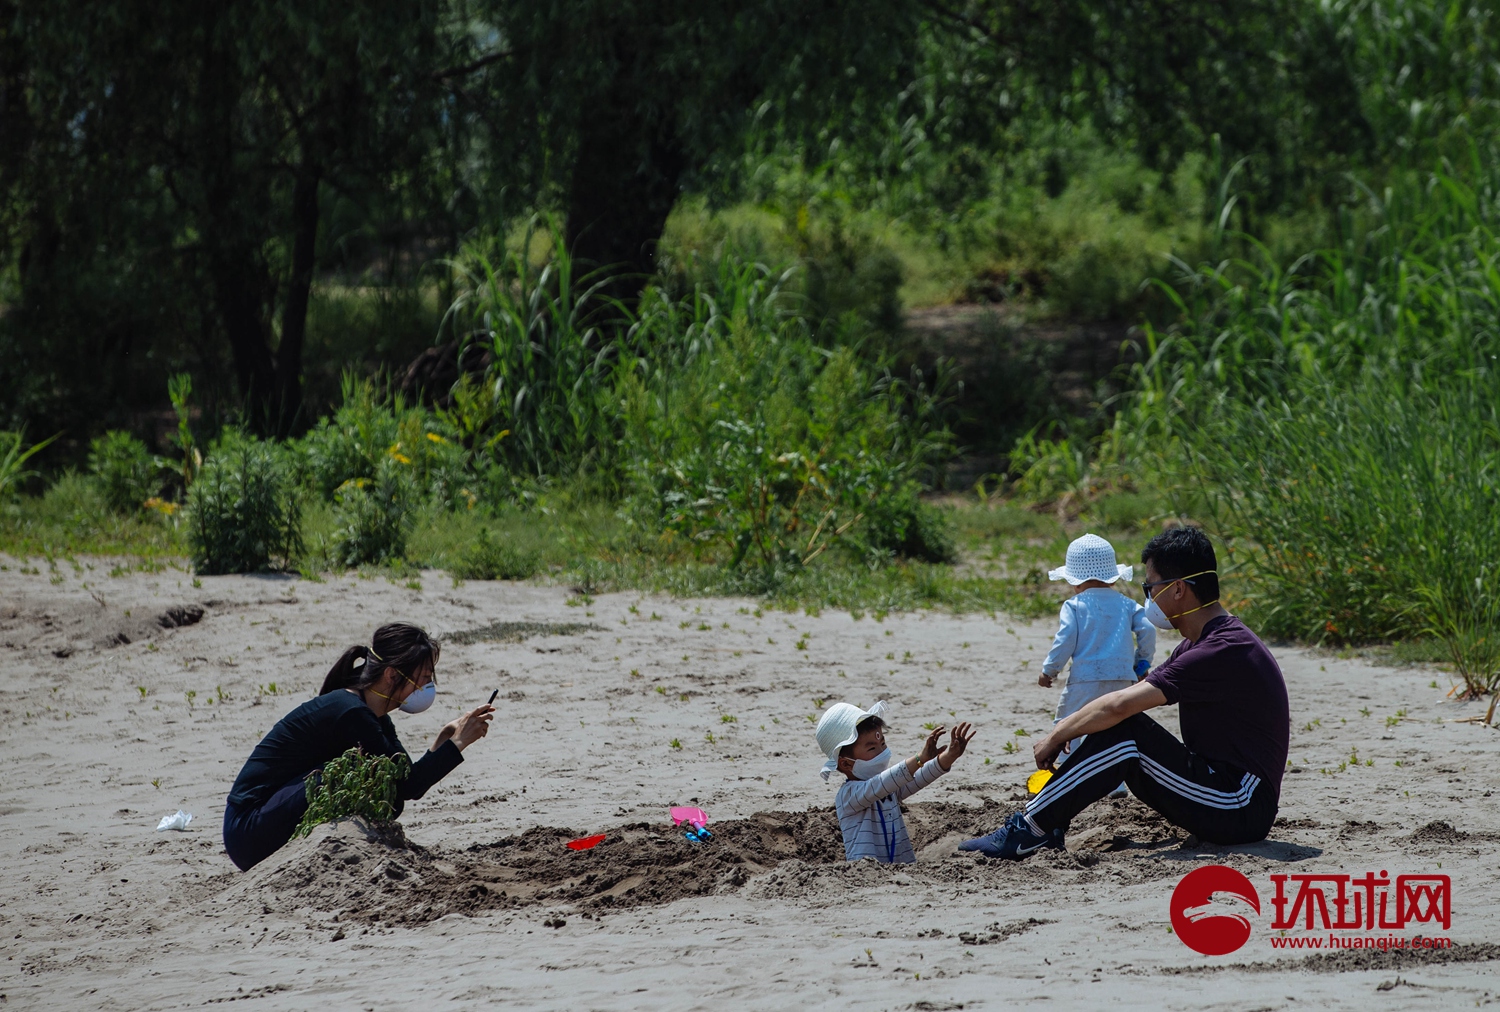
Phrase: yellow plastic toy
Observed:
(1038, 780)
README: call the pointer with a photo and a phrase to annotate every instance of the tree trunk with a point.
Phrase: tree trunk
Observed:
(625, 183)
(242, 310)
(241, 281)
(287, 402)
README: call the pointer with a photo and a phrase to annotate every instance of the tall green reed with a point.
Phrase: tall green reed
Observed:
(549, 332)
(1336, 418)
(14, 453)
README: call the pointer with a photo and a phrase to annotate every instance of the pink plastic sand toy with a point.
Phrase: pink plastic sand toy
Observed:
(696, 816)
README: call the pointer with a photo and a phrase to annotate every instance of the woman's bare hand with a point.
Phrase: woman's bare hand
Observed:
(468, 728)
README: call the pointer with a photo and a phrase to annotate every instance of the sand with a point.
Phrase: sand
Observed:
(476, 903)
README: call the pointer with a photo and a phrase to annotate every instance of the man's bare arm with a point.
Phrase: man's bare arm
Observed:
(1102, 713)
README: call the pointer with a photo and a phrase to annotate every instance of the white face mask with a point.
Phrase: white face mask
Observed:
(869, 769)
(1159, 618)
(1156, 616)
(420, 700)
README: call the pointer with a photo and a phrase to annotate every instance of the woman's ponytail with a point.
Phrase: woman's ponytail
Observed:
(347, 670)
(404, 647)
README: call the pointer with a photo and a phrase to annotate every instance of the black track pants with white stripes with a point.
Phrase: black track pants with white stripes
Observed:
(1216, 803)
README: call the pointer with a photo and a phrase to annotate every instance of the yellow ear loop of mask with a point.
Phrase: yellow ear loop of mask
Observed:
(1180, 614)
(399, 672)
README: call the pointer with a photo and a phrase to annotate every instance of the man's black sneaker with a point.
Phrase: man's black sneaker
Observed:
(1014, 840)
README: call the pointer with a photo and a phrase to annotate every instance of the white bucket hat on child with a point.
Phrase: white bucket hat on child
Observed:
(839, 726)
(1091, 558)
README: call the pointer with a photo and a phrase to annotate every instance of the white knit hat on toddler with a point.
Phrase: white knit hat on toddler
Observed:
(839, 726)
(1091, 558)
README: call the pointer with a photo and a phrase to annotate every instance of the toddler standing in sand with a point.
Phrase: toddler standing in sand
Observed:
(869, 801)
(1104, 633)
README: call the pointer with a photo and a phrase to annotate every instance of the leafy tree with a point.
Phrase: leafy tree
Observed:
(614, 108)
(170, 171)
(190, 147)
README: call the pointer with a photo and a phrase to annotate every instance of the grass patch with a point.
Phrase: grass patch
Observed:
(515, 632)
(589, 546)
(1413, 653)
(72, 518)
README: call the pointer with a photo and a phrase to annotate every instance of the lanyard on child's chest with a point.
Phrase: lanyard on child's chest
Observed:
(889, 838)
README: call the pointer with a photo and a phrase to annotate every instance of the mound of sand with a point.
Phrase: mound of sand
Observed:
(376, 875)
(371, 876)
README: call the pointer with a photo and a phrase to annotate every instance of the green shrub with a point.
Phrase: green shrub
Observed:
(1358, 512)
(901, 524)
(373, 517)
(749, 440)
(75, 499)
(354, 785)
(849, 267)
(495, 559)
(244, 511)
(350, 444)
(369, 429)
(127, 473)
(849, 273)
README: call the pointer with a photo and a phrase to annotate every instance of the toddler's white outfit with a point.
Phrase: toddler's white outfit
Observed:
(1105, 634)
(1102, 632)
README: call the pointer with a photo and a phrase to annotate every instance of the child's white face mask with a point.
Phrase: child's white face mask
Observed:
(869, 769)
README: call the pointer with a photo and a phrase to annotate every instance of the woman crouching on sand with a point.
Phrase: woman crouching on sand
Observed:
(353, 708)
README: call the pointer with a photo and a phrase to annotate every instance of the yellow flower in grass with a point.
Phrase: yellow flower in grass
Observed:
(434, 437)
(396, 454)
(161, 506)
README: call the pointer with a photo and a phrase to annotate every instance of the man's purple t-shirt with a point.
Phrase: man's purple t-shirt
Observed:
(1232, 699)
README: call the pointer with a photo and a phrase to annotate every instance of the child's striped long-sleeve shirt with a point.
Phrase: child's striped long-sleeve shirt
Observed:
(869, 812)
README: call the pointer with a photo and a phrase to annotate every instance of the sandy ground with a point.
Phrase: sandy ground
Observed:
(101, 739)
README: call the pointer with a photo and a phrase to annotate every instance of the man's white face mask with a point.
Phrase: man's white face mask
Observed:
(1156, 616)
(1159, 618)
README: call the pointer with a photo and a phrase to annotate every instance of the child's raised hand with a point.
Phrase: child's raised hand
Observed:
(1045, 681)
(930, 747)
(958, 742)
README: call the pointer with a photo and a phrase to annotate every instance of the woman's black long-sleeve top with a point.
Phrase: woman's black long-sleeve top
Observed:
(324, 728)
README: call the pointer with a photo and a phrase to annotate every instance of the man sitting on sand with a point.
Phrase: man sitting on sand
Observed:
(1222, 782)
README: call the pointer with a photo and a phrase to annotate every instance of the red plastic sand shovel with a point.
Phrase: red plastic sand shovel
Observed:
(586, 842)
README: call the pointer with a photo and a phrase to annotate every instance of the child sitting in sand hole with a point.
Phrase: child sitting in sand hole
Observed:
(1101, 631)
(869, 801)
